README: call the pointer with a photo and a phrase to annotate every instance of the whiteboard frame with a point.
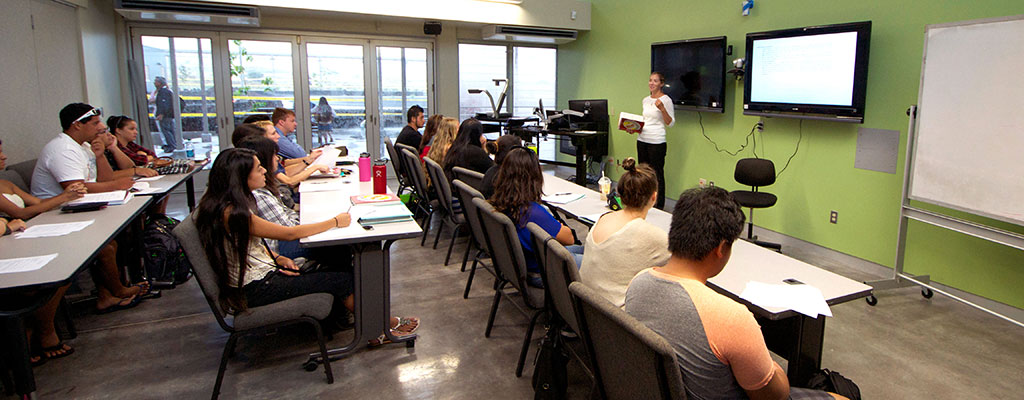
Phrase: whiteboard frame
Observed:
(912, 155)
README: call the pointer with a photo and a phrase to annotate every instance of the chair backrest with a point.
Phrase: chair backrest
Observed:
(396, 161)
(15, 178)
(466, 195)
(472, 178)
(416, 175)
(25, 169)
(558, 270)
(188, 237)
(440, 183)
(506, 250)
(630, 361)
(755, 172)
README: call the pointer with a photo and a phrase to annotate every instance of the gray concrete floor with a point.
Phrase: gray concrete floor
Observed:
(905, 347)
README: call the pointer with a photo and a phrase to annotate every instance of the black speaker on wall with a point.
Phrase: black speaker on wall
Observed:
(431, 28)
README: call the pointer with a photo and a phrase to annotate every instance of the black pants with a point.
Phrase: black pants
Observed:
(654, 155)
(277, 287)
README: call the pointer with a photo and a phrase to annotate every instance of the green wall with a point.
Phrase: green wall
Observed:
(613, 61)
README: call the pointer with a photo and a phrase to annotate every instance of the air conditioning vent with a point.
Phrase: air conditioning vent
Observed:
(186, 12)
(528, 34)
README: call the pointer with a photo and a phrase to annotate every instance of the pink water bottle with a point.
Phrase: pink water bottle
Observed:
(364, 167)
(380, 177)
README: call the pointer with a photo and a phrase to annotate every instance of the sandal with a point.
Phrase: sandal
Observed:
(118, 307)
(59, 347)
(40, 360)
(143, 288)
(404, 324)
(384, 339)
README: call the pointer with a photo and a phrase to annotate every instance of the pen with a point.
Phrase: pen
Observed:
(562, 194)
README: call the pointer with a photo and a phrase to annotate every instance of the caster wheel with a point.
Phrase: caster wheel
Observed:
(410, 344)
(309, 366)
(872, 300)
(927, 293)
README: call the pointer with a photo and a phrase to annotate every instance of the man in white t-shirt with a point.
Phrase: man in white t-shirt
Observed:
(76, 155)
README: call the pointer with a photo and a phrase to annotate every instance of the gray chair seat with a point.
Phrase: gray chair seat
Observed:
(316, 306)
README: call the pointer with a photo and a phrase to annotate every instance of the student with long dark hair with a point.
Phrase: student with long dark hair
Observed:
(250, 273)
(623, 243)
(517, 191)
(467, 150)
(504, 144)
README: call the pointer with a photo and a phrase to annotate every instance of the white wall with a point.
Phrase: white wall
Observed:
(104, 66)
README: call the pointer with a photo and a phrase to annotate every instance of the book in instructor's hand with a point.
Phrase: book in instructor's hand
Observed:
(631, 123)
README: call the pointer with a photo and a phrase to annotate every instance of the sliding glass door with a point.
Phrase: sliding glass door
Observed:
(344, 91)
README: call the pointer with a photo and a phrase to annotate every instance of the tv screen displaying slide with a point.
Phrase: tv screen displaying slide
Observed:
(694, 72)
(813, 70)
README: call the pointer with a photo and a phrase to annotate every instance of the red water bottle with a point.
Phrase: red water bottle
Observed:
(380, 177)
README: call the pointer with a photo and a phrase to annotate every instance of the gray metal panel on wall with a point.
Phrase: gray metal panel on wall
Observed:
(877, 149)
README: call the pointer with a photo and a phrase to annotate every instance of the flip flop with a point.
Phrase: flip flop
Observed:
(53, 349)
(118, 307)
(383, 338)
(405, 322)
(144, 288)
(42, 360)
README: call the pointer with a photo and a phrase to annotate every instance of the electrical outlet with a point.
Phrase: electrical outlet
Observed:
(833, 217)
(702, 182)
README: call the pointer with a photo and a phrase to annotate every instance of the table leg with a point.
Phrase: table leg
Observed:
(799, 340)
(190, 193)
(581, 162)
(372, 298)
(18, 359)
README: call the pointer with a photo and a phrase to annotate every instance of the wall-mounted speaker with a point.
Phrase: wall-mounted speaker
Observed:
(431, 28)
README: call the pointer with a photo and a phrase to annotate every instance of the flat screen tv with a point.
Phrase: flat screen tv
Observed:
(694, 72)
(816, 72)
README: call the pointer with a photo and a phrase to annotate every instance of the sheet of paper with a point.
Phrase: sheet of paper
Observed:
(322, 185)
(24, 264)
(112, 198)
(562, 198)
(138, 186)
(50, 230)
(150, 179)
(804, 299)
(146, 191)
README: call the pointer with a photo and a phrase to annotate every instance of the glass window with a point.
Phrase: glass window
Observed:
(261, 77)
(337, 95)
(533, 74)
(478, 65)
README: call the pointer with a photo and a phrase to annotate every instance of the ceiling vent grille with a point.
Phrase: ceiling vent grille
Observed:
(187, 13)
(528, 34)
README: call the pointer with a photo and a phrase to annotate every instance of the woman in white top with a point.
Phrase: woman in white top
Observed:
(623, 243)
(650, 144)
(231, 232)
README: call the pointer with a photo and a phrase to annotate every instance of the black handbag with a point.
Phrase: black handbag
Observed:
(549, 373)
(832, 381)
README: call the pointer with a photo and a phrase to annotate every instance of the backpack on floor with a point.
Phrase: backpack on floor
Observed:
(550, 379)
(165, 261)
(832, 381)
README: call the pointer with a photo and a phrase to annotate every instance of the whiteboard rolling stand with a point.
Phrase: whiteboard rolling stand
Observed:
(901, 279)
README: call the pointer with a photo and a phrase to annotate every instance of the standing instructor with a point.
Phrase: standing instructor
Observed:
(650, 144)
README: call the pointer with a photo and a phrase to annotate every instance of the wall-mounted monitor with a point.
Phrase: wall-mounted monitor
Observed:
(694, 72)
(816, 72)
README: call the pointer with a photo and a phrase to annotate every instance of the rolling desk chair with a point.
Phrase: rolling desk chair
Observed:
(755, 172)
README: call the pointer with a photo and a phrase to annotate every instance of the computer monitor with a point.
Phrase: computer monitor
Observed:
(596, 114)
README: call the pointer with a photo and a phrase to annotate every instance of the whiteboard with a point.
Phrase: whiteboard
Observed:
(968, 149)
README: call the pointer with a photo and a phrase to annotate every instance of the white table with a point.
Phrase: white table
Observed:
(167, 183)
(324, 198)
(795, 337)
(74, 252)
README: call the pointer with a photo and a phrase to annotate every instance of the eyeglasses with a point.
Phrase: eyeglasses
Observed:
(87, 115)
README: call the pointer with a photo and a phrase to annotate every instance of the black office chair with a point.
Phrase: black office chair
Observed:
(755, 172)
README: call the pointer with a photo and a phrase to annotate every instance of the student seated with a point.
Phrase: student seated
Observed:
(504, 143)
(623, 243)
(125, 130)
(75, 157)
(234, 241)
(410, 134)
(517, 194)
(719, 346)
(295, 170)
(442, 141)
(271, 207)
(433, 124)
(467, 151)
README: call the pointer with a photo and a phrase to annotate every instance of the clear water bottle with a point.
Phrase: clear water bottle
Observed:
(606, 186)
(190, 150)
